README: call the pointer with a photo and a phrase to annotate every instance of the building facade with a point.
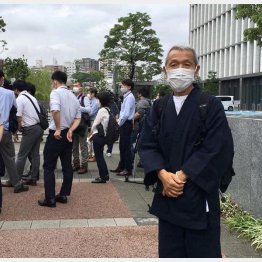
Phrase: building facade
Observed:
(218, 39)
(53, 68)
(86, 65)
(107, 67)
(70, 69)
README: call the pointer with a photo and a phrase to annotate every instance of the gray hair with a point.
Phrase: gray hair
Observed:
(183, 48)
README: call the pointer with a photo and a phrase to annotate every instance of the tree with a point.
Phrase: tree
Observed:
(3, 43)
(161, 87)
(42, 81)
(16, 68)
(96, 75)
(82, 77)
(102, 86)
(211, 85)
(133, 43)
(254, 13)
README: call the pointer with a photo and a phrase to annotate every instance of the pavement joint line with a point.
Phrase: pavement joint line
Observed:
(67, 223)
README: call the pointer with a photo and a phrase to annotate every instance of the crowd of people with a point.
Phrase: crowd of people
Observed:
(182, 155)
(74, 137)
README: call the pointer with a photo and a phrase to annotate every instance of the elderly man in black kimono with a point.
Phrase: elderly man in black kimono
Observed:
(187, 196)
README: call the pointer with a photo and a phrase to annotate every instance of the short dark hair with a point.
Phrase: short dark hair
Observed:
(162, 92)
(2, 73)
(143, 90)
(20, 85)
(93, 90)
(104, 98)
(31, 88)
(8, 85)
(128, 82)
(59, 76)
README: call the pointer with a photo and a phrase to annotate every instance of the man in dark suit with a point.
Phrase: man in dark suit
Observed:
(187, 194)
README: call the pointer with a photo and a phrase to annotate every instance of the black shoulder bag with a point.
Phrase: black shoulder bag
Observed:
(41, 115)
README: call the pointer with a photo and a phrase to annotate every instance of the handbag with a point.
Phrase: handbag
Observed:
(41, 115)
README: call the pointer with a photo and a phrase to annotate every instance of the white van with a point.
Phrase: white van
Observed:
(228, 102)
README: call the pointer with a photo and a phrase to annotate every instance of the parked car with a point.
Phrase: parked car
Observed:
(228, 102)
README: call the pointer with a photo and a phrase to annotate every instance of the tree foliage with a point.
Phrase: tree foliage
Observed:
(254, 13)
(102, 86)
(81, 77)
(94, 76)
(42, 81)
(2, 24)
(3, 43)
(161, 87)
(97, 75)
(133, 43)
(211, 85)
(16, 68)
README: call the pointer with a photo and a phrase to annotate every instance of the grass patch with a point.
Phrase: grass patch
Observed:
(244, 223)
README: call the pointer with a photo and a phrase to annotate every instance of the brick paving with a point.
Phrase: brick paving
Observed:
(105, 220)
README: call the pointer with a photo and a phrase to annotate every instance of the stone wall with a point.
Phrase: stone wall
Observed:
(246, 186)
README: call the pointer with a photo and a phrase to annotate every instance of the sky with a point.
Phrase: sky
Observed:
(73, 31)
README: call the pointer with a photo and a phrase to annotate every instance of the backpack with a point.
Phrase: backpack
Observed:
(226, 177)
(112, 133)
(13, 124)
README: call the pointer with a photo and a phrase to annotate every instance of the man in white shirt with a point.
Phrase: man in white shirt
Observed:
(66, 116)
(28, 123)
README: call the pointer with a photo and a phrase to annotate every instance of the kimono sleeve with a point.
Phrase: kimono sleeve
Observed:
(149, 150)
(208, 162)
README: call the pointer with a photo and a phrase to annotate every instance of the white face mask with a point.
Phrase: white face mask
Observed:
(123, 90)
(180, 79)
(75, 90)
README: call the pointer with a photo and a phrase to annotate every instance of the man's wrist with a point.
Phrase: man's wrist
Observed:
(181, 175)
(161, 173)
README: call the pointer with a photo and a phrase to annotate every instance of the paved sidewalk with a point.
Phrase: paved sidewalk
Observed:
(99, 220)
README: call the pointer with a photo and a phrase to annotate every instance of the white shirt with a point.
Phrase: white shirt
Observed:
(26, 110)
(179, 101)
(101, 117)
(64, 101)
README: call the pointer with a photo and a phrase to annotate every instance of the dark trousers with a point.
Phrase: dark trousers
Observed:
(2, 166)
(98, 144)
(125, 146)
(53, 149)
(109, 148)
(178, 242)
(2, 173)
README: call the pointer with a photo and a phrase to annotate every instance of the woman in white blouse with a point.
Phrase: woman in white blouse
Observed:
(98, 132)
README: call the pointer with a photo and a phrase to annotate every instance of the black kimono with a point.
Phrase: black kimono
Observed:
(174, 149)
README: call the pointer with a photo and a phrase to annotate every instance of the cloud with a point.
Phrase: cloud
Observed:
(68, 32)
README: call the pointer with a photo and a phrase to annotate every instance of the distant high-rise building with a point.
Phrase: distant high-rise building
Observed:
(87, 65)
(218, 39)
(39, 63)
(55, 61)
(53, 68)
(70, 69)
(107, 67)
